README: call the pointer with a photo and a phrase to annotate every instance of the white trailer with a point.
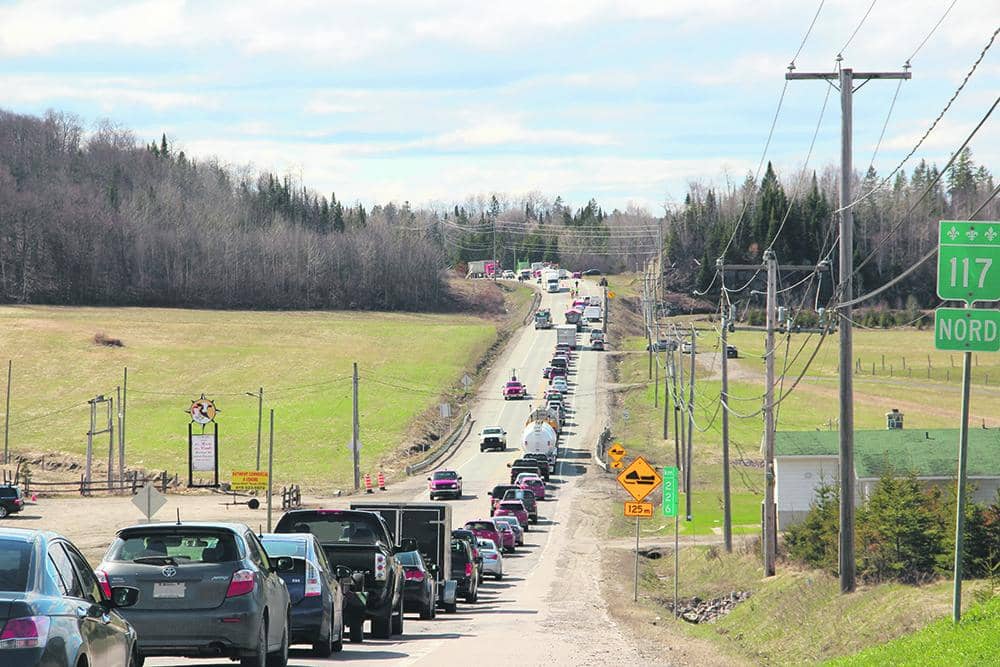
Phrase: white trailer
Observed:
(566, 335)
(540, 438)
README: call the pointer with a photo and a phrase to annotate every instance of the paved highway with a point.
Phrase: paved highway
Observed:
(548, 608)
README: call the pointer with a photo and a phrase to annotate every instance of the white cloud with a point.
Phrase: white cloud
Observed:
(109, 93)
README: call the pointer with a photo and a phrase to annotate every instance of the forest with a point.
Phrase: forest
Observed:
(100, 218)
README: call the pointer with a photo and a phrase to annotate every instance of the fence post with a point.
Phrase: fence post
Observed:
(165, 478)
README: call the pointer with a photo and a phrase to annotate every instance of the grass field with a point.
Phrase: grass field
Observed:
(301, 359)
(975, 641)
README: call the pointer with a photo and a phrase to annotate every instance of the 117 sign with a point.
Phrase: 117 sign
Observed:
(967, 255)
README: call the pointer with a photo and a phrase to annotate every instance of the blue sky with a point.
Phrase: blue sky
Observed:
(436, 101)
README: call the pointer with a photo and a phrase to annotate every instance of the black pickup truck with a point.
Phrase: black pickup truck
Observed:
(360, 541)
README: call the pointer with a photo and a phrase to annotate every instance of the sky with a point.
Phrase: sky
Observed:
(434, 101)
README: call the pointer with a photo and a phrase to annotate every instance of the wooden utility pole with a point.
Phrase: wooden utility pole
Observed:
(727, 513)
(846, 78)
(6, 415)
(770, 520)
(356, 434)
(690, 433)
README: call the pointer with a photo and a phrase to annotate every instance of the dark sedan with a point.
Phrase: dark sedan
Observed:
(205, 589)
(11, 500)
(419, 586)
(53, 610)
(464, 570)
(314, 590)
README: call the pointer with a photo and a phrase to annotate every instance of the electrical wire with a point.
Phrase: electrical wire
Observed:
(936, 25)
(861, 23)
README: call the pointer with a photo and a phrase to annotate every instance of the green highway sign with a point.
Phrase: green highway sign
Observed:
(967, 330)
(670, 492)
(968, 261)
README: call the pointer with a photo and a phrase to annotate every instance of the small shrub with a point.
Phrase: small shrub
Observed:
(101, 338)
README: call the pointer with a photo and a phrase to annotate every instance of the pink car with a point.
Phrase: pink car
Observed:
(534, 484)
(507, 536)
(514, 390)
(512, 508)
(486, 529)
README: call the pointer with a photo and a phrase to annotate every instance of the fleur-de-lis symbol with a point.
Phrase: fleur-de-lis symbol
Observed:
(972, 234)
(953, 233)
(991, 234)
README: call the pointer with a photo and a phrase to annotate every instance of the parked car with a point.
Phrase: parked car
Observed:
(508, 540)
(662, 345)
(191, 575)
(419, 586)
(492, 558)
(732, 352)
(11, 500)
(514, 390)
(493, 437)
(497, 494)
(444, 483)
(513, 508)
(463, 570)
(360, 541)
(515, 525)
(533, 484)
(314, 590)
(527, 498)
(598, 345)
(54, 611)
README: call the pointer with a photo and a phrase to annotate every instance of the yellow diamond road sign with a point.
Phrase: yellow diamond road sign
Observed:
(617, 465)
(617, 451)
(639, 479)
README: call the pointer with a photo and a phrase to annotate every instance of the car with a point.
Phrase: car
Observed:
(686, 347)
(515, 525)
(497, 494)
(577, 275)
(598, 345)
(732, 352)
(444, 483)
(596, 334)
(533, 484)
(314, 589)
(463, 570)
(516, 470)
(492, 558)
(477, 557)
(419, 586)
(591, 272)
(527, 498)
(542, 461)
(493, 437)
(662, 345)
(559, 361)
(513, 508)
(556, 373)
(11, 500)
(514, 390)
(484, 528)
(191, 575)
(55, 611)
(553, 394)
(560, 384)
(545, 371)
(508, 275)
(508, 540)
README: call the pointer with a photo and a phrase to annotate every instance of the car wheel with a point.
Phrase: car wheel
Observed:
(259, 657)
(498, 576)
(397, 619)
(451, 607)
(357, 633)
(382, 625)
(280, 657)
(323, 646)
(3, 512)
(427, 612)
(338, 640)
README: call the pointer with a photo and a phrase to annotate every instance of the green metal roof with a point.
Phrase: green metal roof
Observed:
(929, 453)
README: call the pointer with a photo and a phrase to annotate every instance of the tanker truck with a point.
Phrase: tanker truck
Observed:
(540, 438)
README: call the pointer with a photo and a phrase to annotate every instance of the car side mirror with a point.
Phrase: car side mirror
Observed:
(122, 596)
(460, 479)
(508, 465)
(283, 564)
(342, 572)
(407, 544)
(428, 479)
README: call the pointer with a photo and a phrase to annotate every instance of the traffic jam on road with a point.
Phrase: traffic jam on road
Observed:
(323, 578)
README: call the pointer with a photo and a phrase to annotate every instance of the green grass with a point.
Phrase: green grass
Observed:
(974, 641)
(302, 359)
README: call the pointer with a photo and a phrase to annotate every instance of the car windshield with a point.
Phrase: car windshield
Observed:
(15, 556)
(480, 525)
(276, 547)
(10, 492)
(487, 545)
(513, 505)
(446, 474)
(178, 546)
(409, 558)
(509, 520)
(333, 527)
(492, 431)
(515, 385)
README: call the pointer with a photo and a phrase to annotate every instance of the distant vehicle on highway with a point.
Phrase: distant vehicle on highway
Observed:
(54, 611)
(543, 319)
(591, 272)
(512, 508)
(507, 537)
(566, 334)
(492, 559)
(514, 390)
(463, 567)
(560, 385)
(662, 345)
(595, 334)
(497, 494)
(598, 345)
(543, 464)
(419, 585)
(493, 437)
(314, 589)
(592, 313)
(515, 525)
(577, 275)
(189, 575)
(484, 528)
(477, 557)
(533, 483)
(527, 498)
(444, 483)
(508, 275)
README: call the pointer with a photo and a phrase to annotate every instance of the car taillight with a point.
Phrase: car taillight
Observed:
(102, 579)
(380, 571)
(491, 556)
(313, 586)
(25, 632)
(242, 583)
(468, 569)
(413, 575)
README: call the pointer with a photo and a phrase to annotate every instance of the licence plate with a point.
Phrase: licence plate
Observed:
(168, 590)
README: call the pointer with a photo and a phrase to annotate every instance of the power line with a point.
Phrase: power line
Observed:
(936, 25)
(861, 23)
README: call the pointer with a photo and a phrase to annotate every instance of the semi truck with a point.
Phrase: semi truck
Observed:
(551, 281)
(540, 438)
(543, 319)
(566, 335)
(429, 525)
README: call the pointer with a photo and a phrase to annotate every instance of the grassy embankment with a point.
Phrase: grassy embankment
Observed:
(407, 362)
(798, 616)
